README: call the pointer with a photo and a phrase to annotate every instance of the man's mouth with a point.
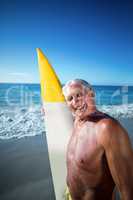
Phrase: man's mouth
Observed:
(80, 109)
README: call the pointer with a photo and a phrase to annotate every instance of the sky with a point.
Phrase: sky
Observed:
(88, 39)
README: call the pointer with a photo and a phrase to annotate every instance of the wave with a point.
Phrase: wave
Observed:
(22, 122)
(118, 111)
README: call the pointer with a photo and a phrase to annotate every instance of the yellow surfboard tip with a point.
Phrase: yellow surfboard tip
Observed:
(51, 89)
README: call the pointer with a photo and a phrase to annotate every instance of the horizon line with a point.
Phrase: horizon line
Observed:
(94, 84)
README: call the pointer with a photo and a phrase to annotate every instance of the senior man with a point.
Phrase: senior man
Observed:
(99, 152)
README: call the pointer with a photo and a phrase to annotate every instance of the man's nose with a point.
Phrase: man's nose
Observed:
(75, 100)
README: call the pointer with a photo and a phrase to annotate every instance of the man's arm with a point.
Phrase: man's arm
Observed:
(119, 154)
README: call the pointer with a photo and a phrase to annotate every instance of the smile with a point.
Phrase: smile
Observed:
(81, 108)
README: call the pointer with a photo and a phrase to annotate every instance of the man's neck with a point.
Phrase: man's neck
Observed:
(91, 116)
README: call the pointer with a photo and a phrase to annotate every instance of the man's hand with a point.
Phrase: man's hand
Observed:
(42, 111)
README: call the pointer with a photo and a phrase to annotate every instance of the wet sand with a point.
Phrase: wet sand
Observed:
(24, 169)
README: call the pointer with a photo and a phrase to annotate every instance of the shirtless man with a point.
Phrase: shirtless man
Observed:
(99, 154)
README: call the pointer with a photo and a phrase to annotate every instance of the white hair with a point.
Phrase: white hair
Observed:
(84, 83)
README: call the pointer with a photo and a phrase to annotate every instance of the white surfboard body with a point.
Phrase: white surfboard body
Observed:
(58, 123)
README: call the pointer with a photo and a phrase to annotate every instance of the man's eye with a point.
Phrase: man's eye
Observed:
(69, 98)
(78, 95)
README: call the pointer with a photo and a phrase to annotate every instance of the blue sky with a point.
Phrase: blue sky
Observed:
(92, 40)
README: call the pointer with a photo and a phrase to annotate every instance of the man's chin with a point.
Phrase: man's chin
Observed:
(78, 115)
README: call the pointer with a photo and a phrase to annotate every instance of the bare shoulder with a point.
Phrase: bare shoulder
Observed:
(109, 130)
(108, 123)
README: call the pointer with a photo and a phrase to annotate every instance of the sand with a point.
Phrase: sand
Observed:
(24, 169)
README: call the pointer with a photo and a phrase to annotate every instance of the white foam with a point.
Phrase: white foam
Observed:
(22, 122)
(118, 111)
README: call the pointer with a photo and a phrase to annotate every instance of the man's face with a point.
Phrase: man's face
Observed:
(76, 98)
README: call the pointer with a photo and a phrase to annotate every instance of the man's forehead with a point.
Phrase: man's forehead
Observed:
(75, 85)
(72, 88)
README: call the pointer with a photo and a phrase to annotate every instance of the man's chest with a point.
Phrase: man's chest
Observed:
(84, 149)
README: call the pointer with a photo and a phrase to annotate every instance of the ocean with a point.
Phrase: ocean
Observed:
(21, 108)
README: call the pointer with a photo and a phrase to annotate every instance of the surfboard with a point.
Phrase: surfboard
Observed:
(58, 123)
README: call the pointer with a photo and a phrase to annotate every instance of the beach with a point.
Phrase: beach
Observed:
(24, 169)
(128, 125)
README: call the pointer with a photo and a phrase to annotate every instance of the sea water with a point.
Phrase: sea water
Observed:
(21, 111)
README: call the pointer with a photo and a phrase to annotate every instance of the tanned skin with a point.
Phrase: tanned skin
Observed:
(99, 153)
